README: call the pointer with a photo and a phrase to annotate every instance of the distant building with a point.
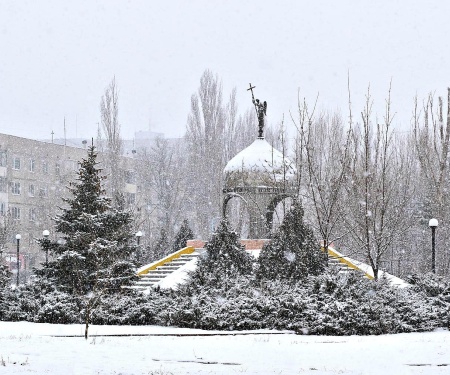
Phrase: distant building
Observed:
(34, 176)
(142, 140)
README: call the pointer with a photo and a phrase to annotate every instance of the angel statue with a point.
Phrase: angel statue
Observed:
(261, 109)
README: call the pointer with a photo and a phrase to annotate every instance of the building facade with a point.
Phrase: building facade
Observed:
(34, 176)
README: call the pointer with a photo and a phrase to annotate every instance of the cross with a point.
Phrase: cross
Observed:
(251, 89)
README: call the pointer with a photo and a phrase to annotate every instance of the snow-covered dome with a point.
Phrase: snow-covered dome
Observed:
(258, 165)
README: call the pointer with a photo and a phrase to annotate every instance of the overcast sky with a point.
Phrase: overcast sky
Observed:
(57, 57)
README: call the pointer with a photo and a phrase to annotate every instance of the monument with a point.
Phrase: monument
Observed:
(261, 177)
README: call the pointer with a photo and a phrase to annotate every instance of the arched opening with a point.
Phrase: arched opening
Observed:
(277, 210)
(235, 209)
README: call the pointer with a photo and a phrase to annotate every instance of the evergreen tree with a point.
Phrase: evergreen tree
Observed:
(161, 248)
(5, 281)
(5, 276)
(293, 253)
(225, 258)
(97, 240)
(185, 233)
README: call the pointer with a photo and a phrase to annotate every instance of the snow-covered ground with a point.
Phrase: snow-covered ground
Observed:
(27, 348)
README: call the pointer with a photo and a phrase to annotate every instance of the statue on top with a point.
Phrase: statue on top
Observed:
(261, 109)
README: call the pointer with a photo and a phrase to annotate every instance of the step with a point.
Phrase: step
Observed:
(150, 280)
(160, 272)
(338, 264)
(169, 267)
(177, 264)
(146, 284)
(153, 277)
(347, 270)
(179, 261)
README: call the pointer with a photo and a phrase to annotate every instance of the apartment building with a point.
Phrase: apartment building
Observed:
(34, 176)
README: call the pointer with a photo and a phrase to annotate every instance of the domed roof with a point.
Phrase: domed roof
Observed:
(258, 164)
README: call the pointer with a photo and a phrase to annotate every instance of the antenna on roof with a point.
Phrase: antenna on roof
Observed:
(65, 144)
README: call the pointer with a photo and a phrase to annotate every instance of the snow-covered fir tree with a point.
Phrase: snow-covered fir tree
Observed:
(184, 233)
(5, 275)
(294, 252)
(225, 257)
(5, 281)
(96, 240)
(161, 247)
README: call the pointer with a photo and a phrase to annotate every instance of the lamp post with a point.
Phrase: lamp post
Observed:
(433, 225)
(138, 239)
(18, 237)
(45, 234)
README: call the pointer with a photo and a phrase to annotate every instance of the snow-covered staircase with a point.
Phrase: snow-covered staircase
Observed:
(169, 271)
(174, 268)
(345, 264)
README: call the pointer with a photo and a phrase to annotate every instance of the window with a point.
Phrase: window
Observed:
(43, 192)
(2, 208)
(57, 168)
(129, 177)
(32, 214)
(3, 158)
(15, 213)
(32, 165)
(15, 188)
(16, 163)
(3, 184)
(31, 190)
(131, 198)
(44, 166)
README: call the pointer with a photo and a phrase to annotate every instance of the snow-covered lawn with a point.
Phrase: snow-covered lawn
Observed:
(27, 348)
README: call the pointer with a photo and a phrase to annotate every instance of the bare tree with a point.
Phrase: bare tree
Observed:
(239, 131)
(109, 109)
(168, 183)
(163, 179)
(431, 141)
(323, 154)
(380, 190)
(205, 139)
(301, 123)
(327, 161)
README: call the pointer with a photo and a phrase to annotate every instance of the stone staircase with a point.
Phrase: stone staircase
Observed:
(153, 274)
(343, 264)
(173, 269)
(341, 267)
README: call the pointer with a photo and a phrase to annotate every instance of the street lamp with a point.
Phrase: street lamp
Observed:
(433, 225)
(45, 234)
(18, 237)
